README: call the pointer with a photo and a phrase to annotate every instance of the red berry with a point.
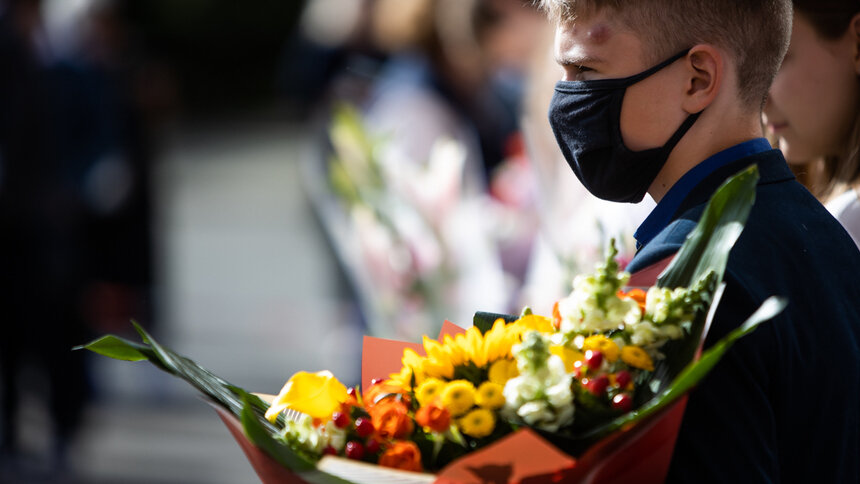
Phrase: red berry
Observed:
(376, 381)
(623, 402)
(341, 420)
(577, 372)
(329, 450)
(623, 378)
(594, 359)
(363, 427)
(598, 385)
(372, 446)
(351, 392)
(354, 450)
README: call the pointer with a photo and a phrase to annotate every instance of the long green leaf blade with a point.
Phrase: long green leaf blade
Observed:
(117, 348)
(695, 371)
(262, 438)
(707, 247)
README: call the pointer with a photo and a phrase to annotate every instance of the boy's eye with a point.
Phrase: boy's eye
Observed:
(578, 72)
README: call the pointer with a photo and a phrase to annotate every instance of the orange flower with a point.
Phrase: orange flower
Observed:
(390, 418)
(637, 295)
(378, 392)
(434, 416)
(403, 455)
(556, 316)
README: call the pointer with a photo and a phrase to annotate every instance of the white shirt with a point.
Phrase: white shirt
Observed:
(846, 209)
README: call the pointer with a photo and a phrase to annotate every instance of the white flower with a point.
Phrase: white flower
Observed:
(304, 432)
(535, 412)
(594, 306)
(644, 334)
(657, 304)
(521, 389)
(336, 437)
(556, 370)
(559, 395)
(670, 331)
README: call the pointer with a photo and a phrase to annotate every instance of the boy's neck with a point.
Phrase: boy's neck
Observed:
(708, 136)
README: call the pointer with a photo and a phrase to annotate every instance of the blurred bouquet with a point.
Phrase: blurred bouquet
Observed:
(412, 234)
(589, 393)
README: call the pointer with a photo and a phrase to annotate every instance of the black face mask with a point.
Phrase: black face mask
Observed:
(586, 119)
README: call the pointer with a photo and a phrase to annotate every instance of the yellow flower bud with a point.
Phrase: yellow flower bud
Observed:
(315, 394)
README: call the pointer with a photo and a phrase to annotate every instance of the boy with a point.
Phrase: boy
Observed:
(664, 97)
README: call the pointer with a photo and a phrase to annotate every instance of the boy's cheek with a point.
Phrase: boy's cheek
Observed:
(647, 119)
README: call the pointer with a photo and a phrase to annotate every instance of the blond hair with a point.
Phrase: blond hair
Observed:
(755, 32)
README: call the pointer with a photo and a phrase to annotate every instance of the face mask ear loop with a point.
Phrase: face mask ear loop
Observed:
(624, 82)
(629, 81)
(682, 130)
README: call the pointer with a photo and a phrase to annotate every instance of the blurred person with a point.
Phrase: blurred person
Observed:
(329, 53)
(456, 70)
(451, 73)
(74, 202)
(813, 108)
(127, 94)
(42, 217)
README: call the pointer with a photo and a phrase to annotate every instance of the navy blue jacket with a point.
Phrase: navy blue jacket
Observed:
(784, 403)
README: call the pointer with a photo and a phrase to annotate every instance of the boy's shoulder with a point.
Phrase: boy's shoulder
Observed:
(785, 217)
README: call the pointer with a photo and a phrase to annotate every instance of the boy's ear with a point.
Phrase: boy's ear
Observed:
(705, 66)
(854, 31)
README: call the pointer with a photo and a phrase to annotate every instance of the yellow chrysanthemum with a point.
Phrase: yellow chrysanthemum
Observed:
(636, 357)
(458, 397)
(601, 343)
(429, 390)
(569, 356)
(503, 370)
(478, 423)
(489, 395)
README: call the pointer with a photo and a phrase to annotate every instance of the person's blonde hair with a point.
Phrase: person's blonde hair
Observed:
(755, 32)
(833, 174)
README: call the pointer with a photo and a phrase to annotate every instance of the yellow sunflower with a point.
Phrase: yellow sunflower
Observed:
(413, 365)
(503, 370)
(438, 363)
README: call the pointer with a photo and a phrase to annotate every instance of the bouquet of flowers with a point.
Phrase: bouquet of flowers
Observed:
(412, 235)
(588, 393)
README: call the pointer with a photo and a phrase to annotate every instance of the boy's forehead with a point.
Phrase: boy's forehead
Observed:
(576, 37)
(592, 38)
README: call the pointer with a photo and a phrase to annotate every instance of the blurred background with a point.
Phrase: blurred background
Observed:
(259, 184)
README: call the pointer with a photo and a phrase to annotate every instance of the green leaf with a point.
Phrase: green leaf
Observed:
(707, 247)
(484, 321)
(695, 371)
(260, 436)
(117, 348)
